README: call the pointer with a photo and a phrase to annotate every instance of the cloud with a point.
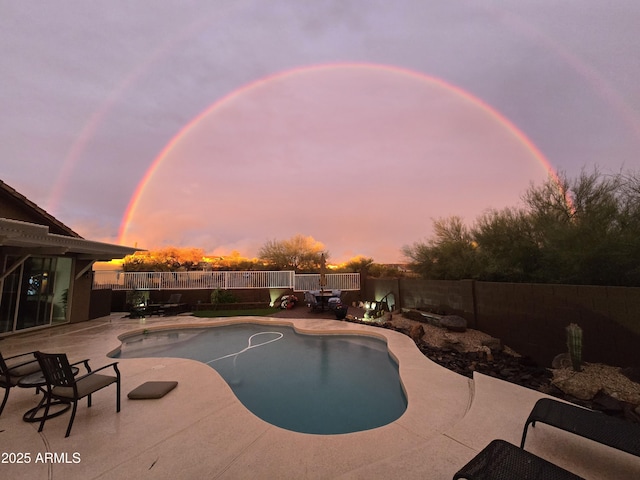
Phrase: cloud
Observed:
(92, 94)
(315, 153)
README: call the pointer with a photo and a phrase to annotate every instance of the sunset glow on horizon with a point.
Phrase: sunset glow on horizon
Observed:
(334, 152)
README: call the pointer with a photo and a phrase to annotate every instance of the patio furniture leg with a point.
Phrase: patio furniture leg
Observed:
(118, 394)
(46, 412)
(4, 400)
(73, 415)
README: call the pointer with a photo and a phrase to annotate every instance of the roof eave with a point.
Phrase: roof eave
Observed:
(33, 237)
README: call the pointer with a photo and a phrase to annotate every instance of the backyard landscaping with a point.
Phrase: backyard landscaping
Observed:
(613, 390)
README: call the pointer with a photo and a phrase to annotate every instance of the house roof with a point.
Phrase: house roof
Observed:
(28, 229)
(18, 207)
(30, 238)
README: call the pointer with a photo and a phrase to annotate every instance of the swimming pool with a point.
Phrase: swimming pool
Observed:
(320, 384)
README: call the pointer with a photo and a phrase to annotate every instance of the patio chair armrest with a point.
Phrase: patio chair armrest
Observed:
(21, 364)
(33, 354)
(86, 364)
(114, 365)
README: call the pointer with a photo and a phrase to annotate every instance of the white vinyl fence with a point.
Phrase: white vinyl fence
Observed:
(334, 281)
(203, 280)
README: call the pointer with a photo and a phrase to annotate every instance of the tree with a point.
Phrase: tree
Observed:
(582, 236)
(298, 253)
(506, 246)
(359, 264)
(449, 256)
(168, 259)
(578, 231)
(233, 261)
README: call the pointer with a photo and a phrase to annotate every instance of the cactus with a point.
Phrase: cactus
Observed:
(574, 344)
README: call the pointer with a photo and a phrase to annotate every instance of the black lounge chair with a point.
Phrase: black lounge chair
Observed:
(173, 298)
(13, 369)
(500, 460)
(173, 306)
(63, 386)
(597, 426)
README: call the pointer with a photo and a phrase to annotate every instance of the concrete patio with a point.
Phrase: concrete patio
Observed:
(200, 429)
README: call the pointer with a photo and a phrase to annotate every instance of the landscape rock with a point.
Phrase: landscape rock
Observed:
(416, 332)
(431, 319)
(562, 360)
(454, 323)
(574, 385)
(450, 342)
(499, 365)
(595, 377)
(488, 355)
(464, 354)
(493, 344)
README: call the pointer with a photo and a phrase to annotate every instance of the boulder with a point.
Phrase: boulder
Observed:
(486, 351)
(493, 344)
(416, 333)
(562, 360)
(451, 342)
(581, 392)
(454, 323)
(430, 318)
(574, 384)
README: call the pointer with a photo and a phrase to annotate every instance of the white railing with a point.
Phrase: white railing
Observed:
(334, 281)
(201, 280)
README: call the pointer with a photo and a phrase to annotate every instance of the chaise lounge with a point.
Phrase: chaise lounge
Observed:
(597, 426)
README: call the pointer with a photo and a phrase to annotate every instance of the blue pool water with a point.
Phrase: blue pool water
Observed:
(321, 384)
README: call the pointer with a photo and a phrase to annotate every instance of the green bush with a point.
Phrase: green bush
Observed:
(222, 296)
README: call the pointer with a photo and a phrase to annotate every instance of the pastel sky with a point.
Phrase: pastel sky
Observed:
(222, 125)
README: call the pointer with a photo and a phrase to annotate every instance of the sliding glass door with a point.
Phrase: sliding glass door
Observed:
(35, 294)
(36, 299)
(9, 298)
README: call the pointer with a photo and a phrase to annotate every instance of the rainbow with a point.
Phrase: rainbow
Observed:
(491, 112)
(98, 117)
(516, 23)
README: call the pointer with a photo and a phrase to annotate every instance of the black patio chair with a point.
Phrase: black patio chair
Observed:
(12, 369)
(64, 387)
